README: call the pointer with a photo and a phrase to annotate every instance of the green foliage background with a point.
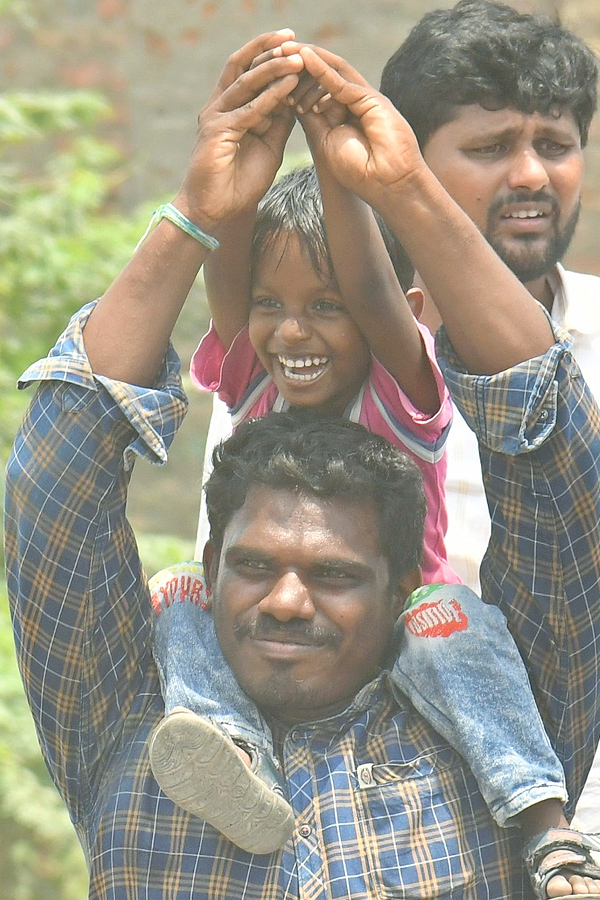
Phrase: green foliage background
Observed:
(62, 240)
(59, 242)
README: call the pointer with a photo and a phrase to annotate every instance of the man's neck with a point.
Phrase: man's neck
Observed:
(541, 290)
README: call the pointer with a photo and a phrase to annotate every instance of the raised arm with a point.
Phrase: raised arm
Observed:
(491, 319)
(366, 276)
(239, 145)
(227, 276)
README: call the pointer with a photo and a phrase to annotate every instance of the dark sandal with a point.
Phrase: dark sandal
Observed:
(573, 844)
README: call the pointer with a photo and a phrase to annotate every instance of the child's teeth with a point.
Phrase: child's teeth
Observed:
(292, 367)
(302, 363)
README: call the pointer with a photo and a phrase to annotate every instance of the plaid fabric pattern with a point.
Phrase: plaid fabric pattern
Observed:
(539, 442)
(384, 806)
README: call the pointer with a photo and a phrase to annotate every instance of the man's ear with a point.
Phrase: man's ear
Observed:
(210, 561)
(408, 583)
(416, 301)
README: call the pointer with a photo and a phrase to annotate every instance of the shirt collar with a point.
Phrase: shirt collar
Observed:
(576, 305)
(365, 699)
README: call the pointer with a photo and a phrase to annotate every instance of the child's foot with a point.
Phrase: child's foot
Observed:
(560, 864)
(200, 768)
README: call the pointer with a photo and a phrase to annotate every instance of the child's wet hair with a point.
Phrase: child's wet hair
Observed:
(293, 207)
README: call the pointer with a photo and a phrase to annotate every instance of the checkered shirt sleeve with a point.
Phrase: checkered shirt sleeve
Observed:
(79, 598)
(539, 441)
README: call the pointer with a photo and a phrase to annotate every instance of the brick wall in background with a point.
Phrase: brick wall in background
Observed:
(157, 62)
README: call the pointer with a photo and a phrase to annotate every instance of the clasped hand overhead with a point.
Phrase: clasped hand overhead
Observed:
(244, 127)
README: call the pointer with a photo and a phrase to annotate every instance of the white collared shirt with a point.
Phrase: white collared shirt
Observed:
(576, 308)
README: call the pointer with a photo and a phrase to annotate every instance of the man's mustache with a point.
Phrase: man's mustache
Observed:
(296, 631)
(523, 196)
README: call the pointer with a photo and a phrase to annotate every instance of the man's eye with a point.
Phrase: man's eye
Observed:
(335, 575)
(488, 151)
(551, 149)
(251, 564)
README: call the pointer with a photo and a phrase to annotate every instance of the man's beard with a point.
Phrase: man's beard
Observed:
(530, 261)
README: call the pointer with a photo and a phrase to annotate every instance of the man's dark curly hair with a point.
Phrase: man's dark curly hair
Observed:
(484, 52)
(322, 457)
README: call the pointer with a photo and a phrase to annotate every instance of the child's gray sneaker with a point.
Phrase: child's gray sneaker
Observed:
(197, 765)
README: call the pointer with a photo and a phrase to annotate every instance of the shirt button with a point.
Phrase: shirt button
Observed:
(365, 775)
(295, 736)
(543, 415)
(305, 831)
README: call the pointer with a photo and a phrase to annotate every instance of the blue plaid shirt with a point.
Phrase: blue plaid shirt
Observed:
(384, 807)
(539, 444)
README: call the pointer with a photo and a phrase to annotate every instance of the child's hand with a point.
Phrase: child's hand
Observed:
(315, 107)
(309, 98)
(309, 95)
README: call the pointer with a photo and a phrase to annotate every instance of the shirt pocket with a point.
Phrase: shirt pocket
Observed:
(74, 398)
(408, 814)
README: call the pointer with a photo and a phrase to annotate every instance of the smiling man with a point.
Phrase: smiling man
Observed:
(306, 589)
(316, 535)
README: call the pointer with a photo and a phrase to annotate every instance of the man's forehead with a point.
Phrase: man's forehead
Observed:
(282, 503)
(473, 118)
(287, 514)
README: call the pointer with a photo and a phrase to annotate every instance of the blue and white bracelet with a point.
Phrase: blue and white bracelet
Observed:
(170, 212)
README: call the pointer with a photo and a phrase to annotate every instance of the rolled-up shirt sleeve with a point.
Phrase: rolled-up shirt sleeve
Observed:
(514, 411)
(538, 427)
(78, 595)
(155, 414)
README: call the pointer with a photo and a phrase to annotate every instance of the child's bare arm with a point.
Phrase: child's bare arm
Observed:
(377, 155)
(239, 144)
(370, 287)
(227, 271)
(227, 277)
